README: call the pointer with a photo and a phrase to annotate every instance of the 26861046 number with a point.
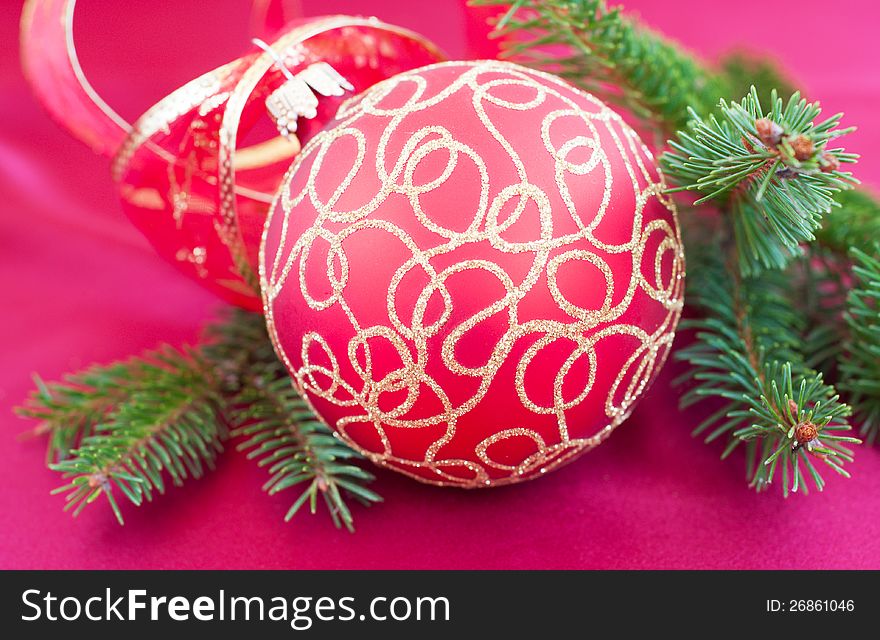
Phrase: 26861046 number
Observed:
(820, 605)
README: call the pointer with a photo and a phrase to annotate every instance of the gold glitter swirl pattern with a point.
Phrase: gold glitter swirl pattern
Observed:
(558, 360)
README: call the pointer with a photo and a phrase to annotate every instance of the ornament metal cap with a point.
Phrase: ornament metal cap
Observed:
(296, 97)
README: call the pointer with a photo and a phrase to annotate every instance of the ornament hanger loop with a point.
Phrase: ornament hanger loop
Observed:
(278, 61)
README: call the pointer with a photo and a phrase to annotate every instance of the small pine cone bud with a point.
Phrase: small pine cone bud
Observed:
(97, 480)
(793, 409)
(805, 432)
(803, 147)
(828, 163)
(322, 484)
(769, 132)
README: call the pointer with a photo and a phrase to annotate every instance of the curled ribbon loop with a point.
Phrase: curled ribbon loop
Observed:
(52, 68)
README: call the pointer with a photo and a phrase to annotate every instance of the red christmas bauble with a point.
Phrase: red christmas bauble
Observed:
(472, 273)
(198, 170)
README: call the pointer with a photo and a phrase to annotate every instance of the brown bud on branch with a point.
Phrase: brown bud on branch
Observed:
(805, 432)
(802, 147)
(828, 163)
(769, 132)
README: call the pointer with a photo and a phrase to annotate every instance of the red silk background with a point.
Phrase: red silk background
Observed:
(81, 285)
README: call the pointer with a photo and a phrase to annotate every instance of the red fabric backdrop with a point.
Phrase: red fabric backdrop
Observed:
(80, 285)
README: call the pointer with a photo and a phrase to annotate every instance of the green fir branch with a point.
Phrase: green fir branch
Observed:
(609, 55)
(820, 281)
(298, 450)
(840, 295)
(127, 429)
(774, 170)
(280, 429)
(854, 222)
(746, 357)
(74, 409)
(860, 369)
(169, 424)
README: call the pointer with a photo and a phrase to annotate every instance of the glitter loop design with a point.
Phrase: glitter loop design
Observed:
(413, 371)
